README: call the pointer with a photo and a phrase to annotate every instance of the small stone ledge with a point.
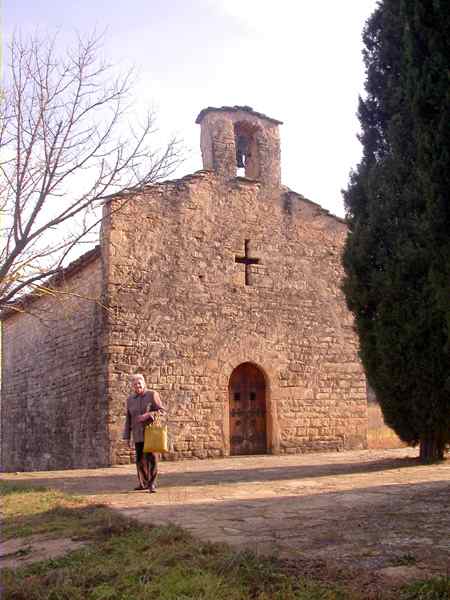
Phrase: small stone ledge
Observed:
(247, 109)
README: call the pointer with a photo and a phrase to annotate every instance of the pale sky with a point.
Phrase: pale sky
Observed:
(298, 61)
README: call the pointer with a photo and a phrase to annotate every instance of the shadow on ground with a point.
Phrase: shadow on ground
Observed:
(358, 529)
(365, 517)
(117, 482)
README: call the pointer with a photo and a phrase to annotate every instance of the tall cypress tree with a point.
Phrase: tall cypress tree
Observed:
(397, 255)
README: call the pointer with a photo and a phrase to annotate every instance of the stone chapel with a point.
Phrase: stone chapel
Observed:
(223, 289)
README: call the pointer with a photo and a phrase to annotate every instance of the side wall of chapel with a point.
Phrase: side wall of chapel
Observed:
(53, 411)
(181, 313)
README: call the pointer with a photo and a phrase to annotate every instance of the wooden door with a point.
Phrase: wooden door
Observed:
(247, 392)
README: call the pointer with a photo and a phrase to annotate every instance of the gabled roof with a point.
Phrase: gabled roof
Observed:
(321, 210)
(71, 269)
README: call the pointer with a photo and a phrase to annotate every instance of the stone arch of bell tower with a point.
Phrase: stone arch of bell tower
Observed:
(235, 137)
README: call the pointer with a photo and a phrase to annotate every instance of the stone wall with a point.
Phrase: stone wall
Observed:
(182, 314)
(53, 413)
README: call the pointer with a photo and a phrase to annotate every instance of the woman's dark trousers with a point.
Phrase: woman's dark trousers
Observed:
(146, 466)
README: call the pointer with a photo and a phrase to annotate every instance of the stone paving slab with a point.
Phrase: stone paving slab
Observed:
(359, 510)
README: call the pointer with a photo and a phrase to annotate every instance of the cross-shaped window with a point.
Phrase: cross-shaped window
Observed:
(247, 261)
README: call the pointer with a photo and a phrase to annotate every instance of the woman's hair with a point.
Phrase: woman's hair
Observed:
(137, 377)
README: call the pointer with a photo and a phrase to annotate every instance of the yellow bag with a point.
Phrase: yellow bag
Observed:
(155, 438)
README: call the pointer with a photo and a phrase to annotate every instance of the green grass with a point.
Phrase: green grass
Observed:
(161, 562)
(28, 511)
(435, 589)
(128, 561)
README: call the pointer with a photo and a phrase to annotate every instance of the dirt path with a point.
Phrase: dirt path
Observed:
(374, 512)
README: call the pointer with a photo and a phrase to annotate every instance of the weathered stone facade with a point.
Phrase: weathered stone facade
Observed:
(185, 310)
(53, 406)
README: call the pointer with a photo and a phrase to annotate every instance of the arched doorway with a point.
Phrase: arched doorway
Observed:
(247, 394)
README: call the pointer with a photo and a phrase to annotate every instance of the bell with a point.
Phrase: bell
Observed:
(242, 145)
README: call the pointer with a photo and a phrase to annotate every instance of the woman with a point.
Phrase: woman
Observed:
(140, 404)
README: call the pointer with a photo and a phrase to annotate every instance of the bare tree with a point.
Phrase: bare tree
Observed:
(66, 148)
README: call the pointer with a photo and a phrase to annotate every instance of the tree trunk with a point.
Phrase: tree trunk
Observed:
(431, 449)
